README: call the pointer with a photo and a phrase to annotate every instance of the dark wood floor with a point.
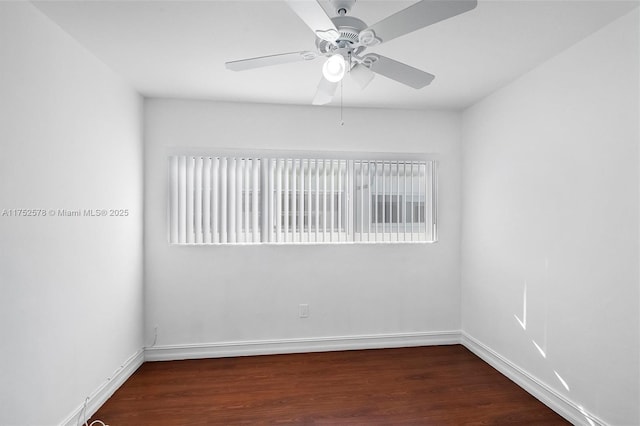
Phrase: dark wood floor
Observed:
(437, 385)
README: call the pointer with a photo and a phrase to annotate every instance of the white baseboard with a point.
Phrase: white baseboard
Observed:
(552, 399)
(285, 346)
(557, 402)
(104, 391)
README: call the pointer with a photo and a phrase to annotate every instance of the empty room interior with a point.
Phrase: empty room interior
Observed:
(289, 183)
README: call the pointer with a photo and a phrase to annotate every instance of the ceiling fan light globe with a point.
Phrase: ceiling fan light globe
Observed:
(334, 68)
(362, 75)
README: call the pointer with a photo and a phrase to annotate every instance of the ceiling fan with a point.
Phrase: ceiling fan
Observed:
(344, 39)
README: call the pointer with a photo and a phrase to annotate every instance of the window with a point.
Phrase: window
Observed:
(230, 200)
(395, 201)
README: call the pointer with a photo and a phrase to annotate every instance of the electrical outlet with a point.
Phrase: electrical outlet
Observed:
(303, 310)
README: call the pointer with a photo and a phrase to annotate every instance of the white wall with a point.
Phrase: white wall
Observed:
(550, 201)
(213, 294)
(70, 287)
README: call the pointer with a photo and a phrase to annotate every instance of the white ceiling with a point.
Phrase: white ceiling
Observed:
(178, 48)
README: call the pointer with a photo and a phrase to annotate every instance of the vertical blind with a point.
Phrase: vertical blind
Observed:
(231, 200)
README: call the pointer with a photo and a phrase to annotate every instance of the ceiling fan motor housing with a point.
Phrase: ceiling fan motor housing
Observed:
(348, 42)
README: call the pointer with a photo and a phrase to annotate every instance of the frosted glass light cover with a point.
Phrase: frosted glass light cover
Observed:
(334, 68)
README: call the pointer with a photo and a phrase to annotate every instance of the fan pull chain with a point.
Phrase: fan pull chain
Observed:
(349, 63)
(341, 120)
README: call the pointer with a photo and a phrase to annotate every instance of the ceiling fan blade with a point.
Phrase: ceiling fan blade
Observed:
(419, 15)
(399, 72)
(325, 92)
(315, 17)
(361, 75)
(265, 61)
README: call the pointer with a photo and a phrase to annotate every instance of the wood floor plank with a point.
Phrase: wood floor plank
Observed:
(436, 385)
